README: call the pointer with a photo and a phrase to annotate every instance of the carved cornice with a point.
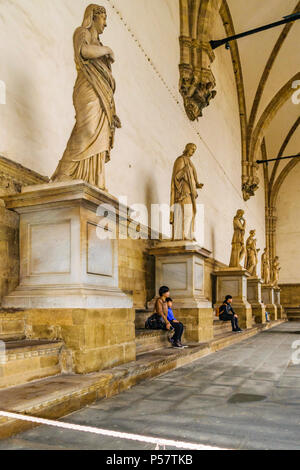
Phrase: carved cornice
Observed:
(13, 176)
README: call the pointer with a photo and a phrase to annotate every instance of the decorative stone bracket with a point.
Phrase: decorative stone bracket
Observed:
(197, 81)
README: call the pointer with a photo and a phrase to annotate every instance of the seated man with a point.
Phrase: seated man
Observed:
(178, 326)
(227, 314)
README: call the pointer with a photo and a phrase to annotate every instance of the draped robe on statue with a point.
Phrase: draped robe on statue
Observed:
(251, 258)
(89, 146)
(183, 196)
(238, 244)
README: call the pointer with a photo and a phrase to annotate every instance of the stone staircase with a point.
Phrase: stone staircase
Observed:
(150, 340)
(293, 313)
(12, 325)
(221, 327)
(141, 317)
(23, 360)
(33, 379)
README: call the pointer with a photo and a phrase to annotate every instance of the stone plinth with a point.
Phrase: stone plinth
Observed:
(268, 300)
(180, 266)
(233, 281)
(254, 297)
(65, 262)
(280, 309)
(69, 273)
(95, 339)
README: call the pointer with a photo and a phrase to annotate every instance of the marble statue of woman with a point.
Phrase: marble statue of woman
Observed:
(251, 259)
(183, 195)
(238, 243)
(275, 271)
(92, 138)
(265, 267)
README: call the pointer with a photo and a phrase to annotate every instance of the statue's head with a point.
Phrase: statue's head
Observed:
(190, 149)
(240, 213)
(95, 15)
(252, 233)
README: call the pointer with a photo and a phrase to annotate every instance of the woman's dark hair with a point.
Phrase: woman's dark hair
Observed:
(228, 297)
(169, 299)
(163, 290)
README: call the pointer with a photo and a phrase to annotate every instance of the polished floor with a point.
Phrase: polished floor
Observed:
(246, 396)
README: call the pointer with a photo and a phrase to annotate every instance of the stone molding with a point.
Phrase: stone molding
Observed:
(13, 176)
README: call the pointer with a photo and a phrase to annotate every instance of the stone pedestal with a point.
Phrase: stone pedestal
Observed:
(268, 300)
(233, 281)
(180, 266)
(64, 262)
(69, 273)
(280, 309)
(254, 297)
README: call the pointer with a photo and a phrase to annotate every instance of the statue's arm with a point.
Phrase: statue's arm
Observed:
(198, 185)
(93, 51)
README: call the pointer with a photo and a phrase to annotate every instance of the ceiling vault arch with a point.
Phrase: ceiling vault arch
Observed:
(197, 82)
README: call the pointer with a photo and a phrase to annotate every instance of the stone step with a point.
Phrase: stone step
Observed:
(221, 327)
(12, 324)
(59, 396)
(150, 340)
(293, 313)
(141, 317)
(23, 361)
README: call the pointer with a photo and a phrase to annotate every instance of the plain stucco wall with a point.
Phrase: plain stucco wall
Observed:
(288, 227)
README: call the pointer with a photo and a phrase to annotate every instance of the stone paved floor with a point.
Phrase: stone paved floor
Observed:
(246, 396)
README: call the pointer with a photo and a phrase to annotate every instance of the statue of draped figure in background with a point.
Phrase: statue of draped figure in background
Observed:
(184, 193)
(275, 271)
(265, 267)
(92, 138)
(238, 249)
(251, 259)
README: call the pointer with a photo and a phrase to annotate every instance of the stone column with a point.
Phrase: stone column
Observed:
(180, 266)
(280, 309)
(254, 297)
(233, 281)
(268, 300)
(69, 279)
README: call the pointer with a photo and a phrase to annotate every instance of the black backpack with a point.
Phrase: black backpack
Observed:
(155, 322)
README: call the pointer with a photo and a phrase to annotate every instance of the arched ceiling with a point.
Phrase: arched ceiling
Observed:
(270, 61)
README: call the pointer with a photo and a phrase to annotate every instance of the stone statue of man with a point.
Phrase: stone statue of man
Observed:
(183, 195)
(275, 271)
(265, 267)
(251, 259)
(238, 241)
(92, 138)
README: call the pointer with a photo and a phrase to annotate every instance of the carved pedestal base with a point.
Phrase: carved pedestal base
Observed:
(233, 281)
(268, 300)
(180, 266)
(255, 299)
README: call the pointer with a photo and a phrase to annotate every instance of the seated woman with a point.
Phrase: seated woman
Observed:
(227, 314)
(159, 319)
